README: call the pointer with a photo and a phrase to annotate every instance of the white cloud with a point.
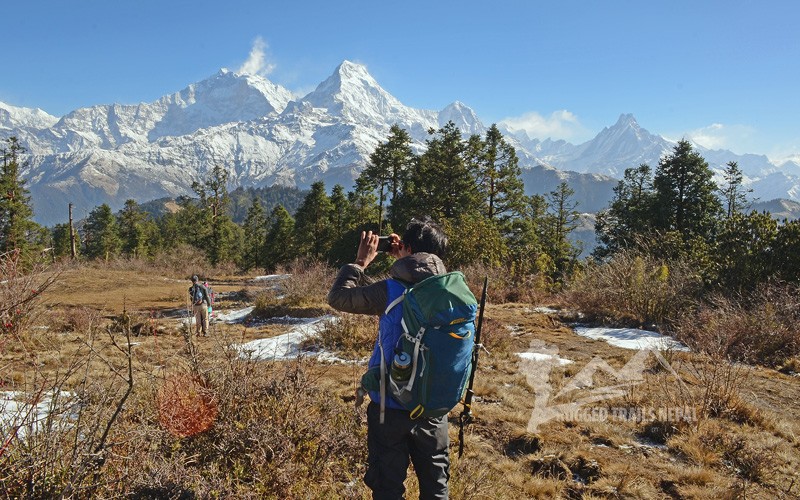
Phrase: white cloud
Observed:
(737, 138)
(256, 63)
(561, 124)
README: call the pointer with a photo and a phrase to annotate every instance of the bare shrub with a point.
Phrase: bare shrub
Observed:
(20, 292)
(277, 434)
(505, 286)
(351, 335)
(309, 282)
(720, 384)
(634, 288)
(183, 260)
(303, 293)
(761, 328)
(59, 445)
(79, 319)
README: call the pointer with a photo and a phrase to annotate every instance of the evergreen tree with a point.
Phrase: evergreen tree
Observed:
(561, 221)
(62, 245)
(135, 230)
(213, 193)
(340, 212)
(255, 232)
(685, 199)
(313, 229)
(734, 195)
(442, 184)
(499, 178)
(630, 213)
(18, 232)
(527, 237)
(363, 208)
(101, 234)
(475, 239)
(744, 251)
(386, 173)
(279, 243)
(785, 263)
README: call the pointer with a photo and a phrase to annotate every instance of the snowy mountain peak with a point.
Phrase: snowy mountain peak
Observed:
(12, 117)
(626, 120)
(353, 94)
(463, 116)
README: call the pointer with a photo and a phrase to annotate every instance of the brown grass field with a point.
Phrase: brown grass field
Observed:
(165, 414)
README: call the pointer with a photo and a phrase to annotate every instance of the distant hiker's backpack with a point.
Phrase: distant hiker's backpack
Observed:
(197, 294)
(433, 357)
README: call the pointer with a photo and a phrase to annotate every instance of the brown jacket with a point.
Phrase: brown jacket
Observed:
(353, 293)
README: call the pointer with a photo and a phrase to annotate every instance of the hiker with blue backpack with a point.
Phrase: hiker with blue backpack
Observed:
(421, 363)
(200, 300)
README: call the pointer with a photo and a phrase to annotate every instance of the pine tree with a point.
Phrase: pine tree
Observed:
(443, 183)
(786, 265)
(255, 232)
(734, 194)
(561, 221)
(340, 212)
(135, 230)
(527, 237)
(279, 242)
(213, 193)
(744, 251)
(389, 166)
(499, 178)
(62, 245)
(101, 234)
(685, 199)
(18, 232)
(630, 213)
(312, 226)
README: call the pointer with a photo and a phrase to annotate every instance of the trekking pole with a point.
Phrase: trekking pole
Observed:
(466, 413)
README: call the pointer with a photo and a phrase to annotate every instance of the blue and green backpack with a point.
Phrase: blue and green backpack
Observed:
(438, 323)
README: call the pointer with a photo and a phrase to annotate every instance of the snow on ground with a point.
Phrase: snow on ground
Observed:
(18, 412)
(545, 310)
(271, 277)
(233, 316)
(631, 338)
(287, 346)
(542, 357)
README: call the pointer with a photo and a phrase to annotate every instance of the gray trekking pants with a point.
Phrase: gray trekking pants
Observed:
(391, 444)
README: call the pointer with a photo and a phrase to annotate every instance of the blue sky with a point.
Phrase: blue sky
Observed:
(725, 73)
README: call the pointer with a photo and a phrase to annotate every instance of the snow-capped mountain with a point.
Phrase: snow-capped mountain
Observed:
(13, 118)
(263, 135)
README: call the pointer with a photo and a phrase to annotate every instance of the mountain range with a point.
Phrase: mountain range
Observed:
(264, 135)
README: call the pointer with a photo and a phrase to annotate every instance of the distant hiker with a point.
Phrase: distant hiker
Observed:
(211, 299)
(198, 296)
(400, 437)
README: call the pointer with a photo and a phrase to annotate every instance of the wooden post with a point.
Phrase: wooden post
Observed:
(72, 249)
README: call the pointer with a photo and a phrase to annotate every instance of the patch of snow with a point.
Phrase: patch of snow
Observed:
(542, 357)
(545, 310)
(233, 316)
(631, 338)
(19, 415)
(272, 277)
(287, 346)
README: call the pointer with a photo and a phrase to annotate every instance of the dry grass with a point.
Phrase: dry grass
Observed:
(635, 290)
(201, 422)
(761, 328)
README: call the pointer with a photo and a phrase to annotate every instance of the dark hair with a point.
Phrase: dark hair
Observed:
(425, 235)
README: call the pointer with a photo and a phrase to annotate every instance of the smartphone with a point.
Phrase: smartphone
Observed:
(384, 244)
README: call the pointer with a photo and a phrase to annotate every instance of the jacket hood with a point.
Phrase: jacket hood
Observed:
(416, 267)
